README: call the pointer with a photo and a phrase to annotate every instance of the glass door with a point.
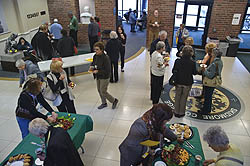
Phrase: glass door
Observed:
(245, 31)
(195, 16)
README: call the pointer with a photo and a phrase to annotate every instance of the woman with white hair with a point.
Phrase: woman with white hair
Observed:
(113, 48)
(60, 149)
(229, 154)
(158, 65)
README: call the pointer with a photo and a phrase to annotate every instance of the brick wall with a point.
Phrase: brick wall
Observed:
(104, 10)
(166, 9)
(222, 15)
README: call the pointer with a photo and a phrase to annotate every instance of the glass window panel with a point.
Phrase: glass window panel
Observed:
(129, 4)
(191, 21)
(203, 11)
(248, 10)
(180, 0)
(246, 25)
(120, 4)
(179, 8)
(202, 22)
(192, 9)
(178, 20)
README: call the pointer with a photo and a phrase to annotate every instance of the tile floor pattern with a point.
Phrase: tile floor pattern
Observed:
(132, 90)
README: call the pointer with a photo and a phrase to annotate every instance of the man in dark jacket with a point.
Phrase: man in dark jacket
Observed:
(65, 48)
(113, 48)
(41, 43)
(60, 149)
(93, 29)
(162, 37)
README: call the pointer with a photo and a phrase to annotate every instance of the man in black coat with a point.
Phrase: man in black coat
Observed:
(162, 37)
(41, 43)
(113, 47)
(60, 150)
(93, 29)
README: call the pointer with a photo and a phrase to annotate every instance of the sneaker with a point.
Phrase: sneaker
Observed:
(114, 104)
(102, 106)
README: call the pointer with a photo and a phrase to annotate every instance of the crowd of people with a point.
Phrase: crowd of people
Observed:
(152, 124)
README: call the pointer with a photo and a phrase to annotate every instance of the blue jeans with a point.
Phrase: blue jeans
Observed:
(23, 125)
(208, 95)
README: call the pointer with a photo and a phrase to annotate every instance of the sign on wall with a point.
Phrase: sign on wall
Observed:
(236, 19)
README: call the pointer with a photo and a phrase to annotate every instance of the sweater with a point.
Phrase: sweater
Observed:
(102, 64)
(65, 46)
(113, 47)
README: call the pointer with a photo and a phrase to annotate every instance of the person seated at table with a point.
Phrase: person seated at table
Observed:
(60, 149)
(27, 68)
(23, 45)
(26, 106)
(151, 126)
(229, 154)
(162, 37)
(60, 83)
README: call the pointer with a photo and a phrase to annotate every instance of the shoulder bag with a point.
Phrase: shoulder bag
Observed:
(215, 81)
(46, 90)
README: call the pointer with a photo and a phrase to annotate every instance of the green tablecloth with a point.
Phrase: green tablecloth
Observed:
(195, 141)
(82, 124)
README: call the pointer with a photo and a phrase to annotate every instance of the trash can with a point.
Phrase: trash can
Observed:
(223, 46)
(234, 43)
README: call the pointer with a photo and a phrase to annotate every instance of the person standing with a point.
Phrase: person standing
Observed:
(181, 34)
(41, 43)
(100, 67)
(132, 20)
(93, 29)
(73, 27)
(162, 37)
(184, 69)
(65, 48)
(113, 47)
(123, 38)
(214, 69)
(158, 66)
(97, 20)
(59, 147)
(27, 68)
(55, 30)
(1, 28)
(154, 23)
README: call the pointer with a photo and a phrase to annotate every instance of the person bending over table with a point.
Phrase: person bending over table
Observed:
(151, 126)
(26, 106)
(60, 83)
(60, 150)
(229, 154)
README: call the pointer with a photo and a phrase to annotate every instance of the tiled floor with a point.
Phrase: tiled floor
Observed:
(132, 90)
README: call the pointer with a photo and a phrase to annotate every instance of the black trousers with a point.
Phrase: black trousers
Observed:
(67, 105)
(73, 34)
(114, 71)
(92, 41)
(156, 87)
(179, 44)
(72, 71)
(122, 53)
(132, 28)
(54, 44)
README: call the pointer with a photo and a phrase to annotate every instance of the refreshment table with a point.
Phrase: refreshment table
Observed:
(82, 125)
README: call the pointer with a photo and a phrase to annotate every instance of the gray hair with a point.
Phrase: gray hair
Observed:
(20, 63)
(217, 52)
(113, 35)
(38, 127)
(216, 136)
(160, 45)
(163, 33)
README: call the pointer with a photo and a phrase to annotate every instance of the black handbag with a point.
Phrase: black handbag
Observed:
(172, 79)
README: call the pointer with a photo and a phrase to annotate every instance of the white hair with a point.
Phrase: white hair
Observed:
(216, 136)
(38, 127)
(55, 20)
(20, 63)
(163, 32)
(113, 35)
(160, 45)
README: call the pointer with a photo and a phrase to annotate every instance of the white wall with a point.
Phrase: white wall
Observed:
(90, 3)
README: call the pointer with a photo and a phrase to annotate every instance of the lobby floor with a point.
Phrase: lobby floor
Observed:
(132, 90)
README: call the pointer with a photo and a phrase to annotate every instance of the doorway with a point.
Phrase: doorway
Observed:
(196, 16)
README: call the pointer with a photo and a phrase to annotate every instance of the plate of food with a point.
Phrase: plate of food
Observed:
(175, 155)
(20, 160)
(182, 130)
(65, 122)
(89, 59)
(160, 163)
